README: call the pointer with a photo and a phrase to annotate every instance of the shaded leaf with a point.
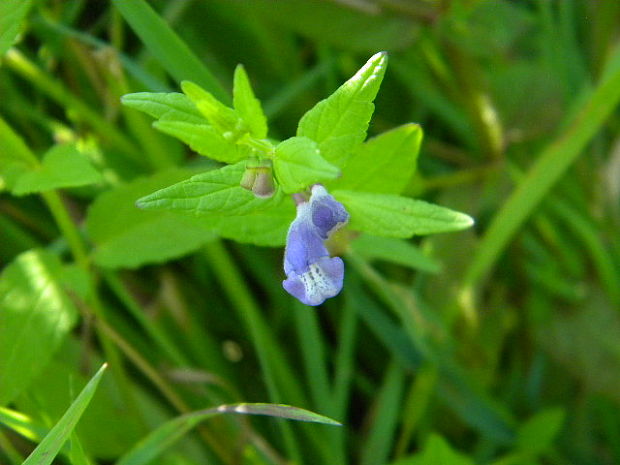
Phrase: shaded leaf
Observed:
(396, 251)
(539, 432)
(127, 237)
(35, 316)
(15, 157)
(62, 166)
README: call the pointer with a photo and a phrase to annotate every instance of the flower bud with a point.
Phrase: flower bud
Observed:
(259, 180)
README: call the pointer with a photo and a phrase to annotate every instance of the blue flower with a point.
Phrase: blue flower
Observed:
(312, 275)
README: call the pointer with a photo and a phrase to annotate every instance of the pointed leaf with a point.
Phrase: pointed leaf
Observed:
(247, 105)
(15, 157)
(204, 139)
(538, 433)
(35, 317)
(170, 432)
(62, 166)
(213, 192)
(384, 163)
(339, 123)
(298, 164)
(396, 216)
(223, 118)
(126, 237)
(164, 105)
(47, 450)
(12, 13)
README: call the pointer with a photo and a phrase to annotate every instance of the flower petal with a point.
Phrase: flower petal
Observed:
(322, 280)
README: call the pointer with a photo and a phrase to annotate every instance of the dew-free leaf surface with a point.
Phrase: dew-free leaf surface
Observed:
(299, 164)
(35, 317)
(127, 237)
(62, 166)
(396, 216)
(339, 123)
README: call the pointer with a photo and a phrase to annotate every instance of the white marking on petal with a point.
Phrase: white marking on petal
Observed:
(319, 286)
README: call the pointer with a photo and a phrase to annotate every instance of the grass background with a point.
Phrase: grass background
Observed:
(501, 342)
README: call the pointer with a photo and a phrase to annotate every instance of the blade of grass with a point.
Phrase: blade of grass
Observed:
(57, 92)
(170, 432)
(379, 442)
(49, 447)
(173, 54)
(547, 170)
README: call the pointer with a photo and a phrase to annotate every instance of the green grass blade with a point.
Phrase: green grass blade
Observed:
(379, 442)
(173, 54)
(547, 170)
(45, 452)
(170, 432)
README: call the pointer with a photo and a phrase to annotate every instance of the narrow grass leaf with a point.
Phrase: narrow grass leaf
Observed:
(170, 432)
(50, 446)
(35, 317)
(377, 446)
(395, 216)
(546, 171)
(397, 251)
(166, 46)
(339, 123)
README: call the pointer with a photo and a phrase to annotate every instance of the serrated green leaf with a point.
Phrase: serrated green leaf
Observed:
(16, 158)
(223, 118)
(384, 163)
(213, 192)
(538, 433)
(266, 227)
(62, 166)
(170, 432)
(247, 105)
(126, 237)
(12, 14)
(396, 216)
(47, 450)
(165, 105)
(394, 250)
(339, 123)
(298, 164)
(204, 139)
(35, 316)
